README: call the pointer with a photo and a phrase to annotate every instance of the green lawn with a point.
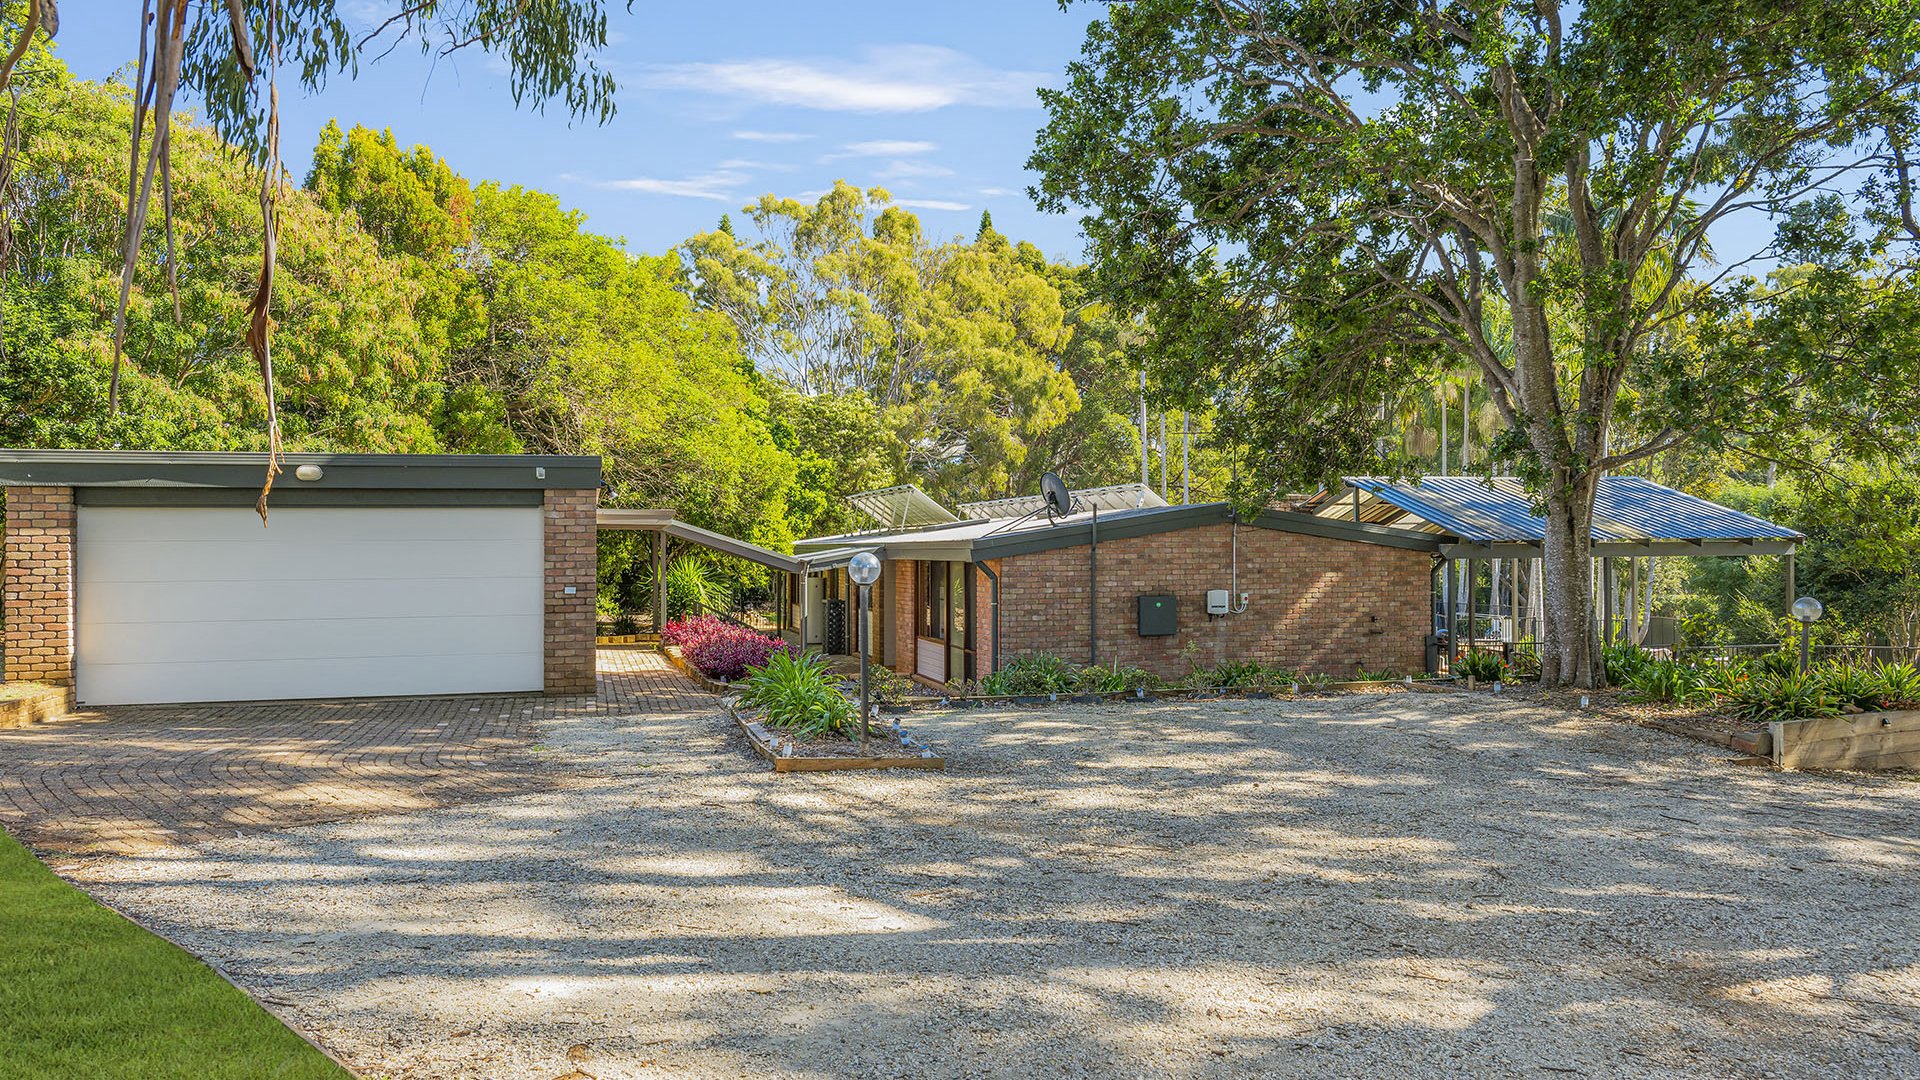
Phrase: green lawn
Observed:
(84, 992)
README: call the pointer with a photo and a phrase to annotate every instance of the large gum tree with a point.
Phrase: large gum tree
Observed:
(1317, 202)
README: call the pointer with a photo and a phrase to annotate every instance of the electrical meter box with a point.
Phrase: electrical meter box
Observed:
(1217, 602)
(1158, 616)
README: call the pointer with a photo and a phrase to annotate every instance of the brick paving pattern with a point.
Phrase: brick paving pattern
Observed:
(132, 779)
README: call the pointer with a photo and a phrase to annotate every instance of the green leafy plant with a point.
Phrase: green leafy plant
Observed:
(1311, 681)
(1114, 679)
(1383, 675)
(887, 686)
(1898, 685)
(1031, 675)
(800, 694)
(1852, 685)
(1667, 681)
(1624, 662)
(1768, 697)
(1779, 662)
(1723, 676)
(1484, 666)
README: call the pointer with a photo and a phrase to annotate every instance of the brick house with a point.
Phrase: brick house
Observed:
(958, 599)
(146, 577)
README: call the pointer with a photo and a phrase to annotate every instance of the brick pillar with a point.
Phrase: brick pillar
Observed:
(572, 551)
(905, 617)
(39, 584)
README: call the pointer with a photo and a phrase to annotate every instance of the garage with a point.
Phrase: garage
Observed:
(199, 604)
(149, 578)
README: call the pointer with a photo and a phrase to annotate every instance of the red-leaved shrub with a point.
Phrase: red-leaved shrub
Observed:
(684, 632)
(727, 652)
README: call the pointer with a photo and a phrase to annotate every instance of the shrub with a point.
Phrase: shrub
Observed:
(799, 694)
(1769, 697)
(728, 652)
(684, 632)
(1779, 662)
(887, 686)
(1898, 685)
(1114, 679)
(1624, 662)
(1853, 686)
(1667, 681)
(1484, 666)
(1030, 676)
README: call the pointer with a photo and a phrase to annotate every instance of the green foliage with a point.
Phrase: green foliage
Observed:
(1321, 206)
(1241, 673)
(889, 687)
(1031, 675)
(1769, 696)
(1114, 679)
(694, 587)
(1484, 666)
(1668, 681)
(800, 694)
(1624, 662)
(1897, 685)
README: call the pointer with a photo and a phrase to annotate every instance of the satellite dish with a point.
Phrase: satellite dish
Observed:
(1053, 491)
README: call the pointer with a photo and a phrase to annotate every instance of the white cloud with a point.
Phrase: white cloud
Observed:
(899, 170)
(718, 185)
(888, 79)
(996, 192)
(887, 148)
(931, 204)
(772, 136)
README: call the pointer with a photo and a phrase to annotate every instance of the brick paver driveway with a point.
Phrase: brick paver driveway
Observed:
(132, 779)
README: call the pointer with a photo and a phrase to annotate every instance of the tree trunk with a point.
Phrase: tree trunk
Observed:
(1567, 649)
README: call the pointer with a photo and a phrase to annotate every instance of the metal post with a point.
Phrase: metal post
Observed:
(1186, 471)
(1804, 627)
(865, 708)
(1607, 586)
(1787, 568)
(659, 583)
(1144, 457)
(1471, 583)
(1163, 456)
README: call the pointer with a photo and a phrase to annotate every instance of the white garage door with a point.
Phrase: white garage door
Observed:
(198, 604)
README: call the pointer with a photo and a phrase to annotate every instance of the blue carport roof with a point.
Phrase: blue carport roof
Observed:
(1626, 509)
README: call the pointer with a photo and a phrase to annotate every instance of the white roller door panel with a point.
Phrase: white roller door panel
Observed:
(200, 604)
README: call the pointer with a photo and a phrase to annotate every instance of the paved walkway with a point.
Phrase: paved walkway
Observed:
(134, 779)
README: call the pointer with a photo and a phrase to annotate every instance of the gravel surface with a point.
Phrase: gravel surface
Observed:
(1406, 885)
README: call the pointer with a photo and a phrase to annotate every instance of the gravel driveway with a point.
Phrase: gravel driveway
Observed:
(1382, 885)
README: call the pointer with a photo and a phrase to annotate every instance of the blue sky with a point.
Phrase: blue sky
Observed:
(720, 103)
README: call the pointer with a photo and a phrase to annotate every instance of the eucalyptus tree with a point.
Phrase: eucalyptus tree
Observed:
(231, 55)
(1316, 204)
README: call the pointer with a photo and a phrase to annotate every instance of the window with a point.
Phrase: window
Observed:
(933, 604)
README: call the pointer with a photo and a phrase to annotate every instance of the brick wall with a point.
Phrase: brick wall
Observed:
(983, 619)
(1316, 604)
(571, 556)
(39, 584)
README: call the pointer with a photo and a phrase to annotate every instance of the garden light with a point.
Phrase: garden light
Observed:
(1806, 611)
(864, 569)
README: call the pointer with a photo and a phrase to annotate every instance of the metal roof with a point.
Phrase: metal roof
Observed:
(991, 539)
(1111, 497)
(179, 470)
(618, 519)
(1478, 510)
(901, 506)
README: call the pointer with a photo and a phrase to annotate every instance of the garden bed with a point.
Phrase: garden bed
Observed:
(1171, 693)
(678, 660)
(23, 703)
(790, 753)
